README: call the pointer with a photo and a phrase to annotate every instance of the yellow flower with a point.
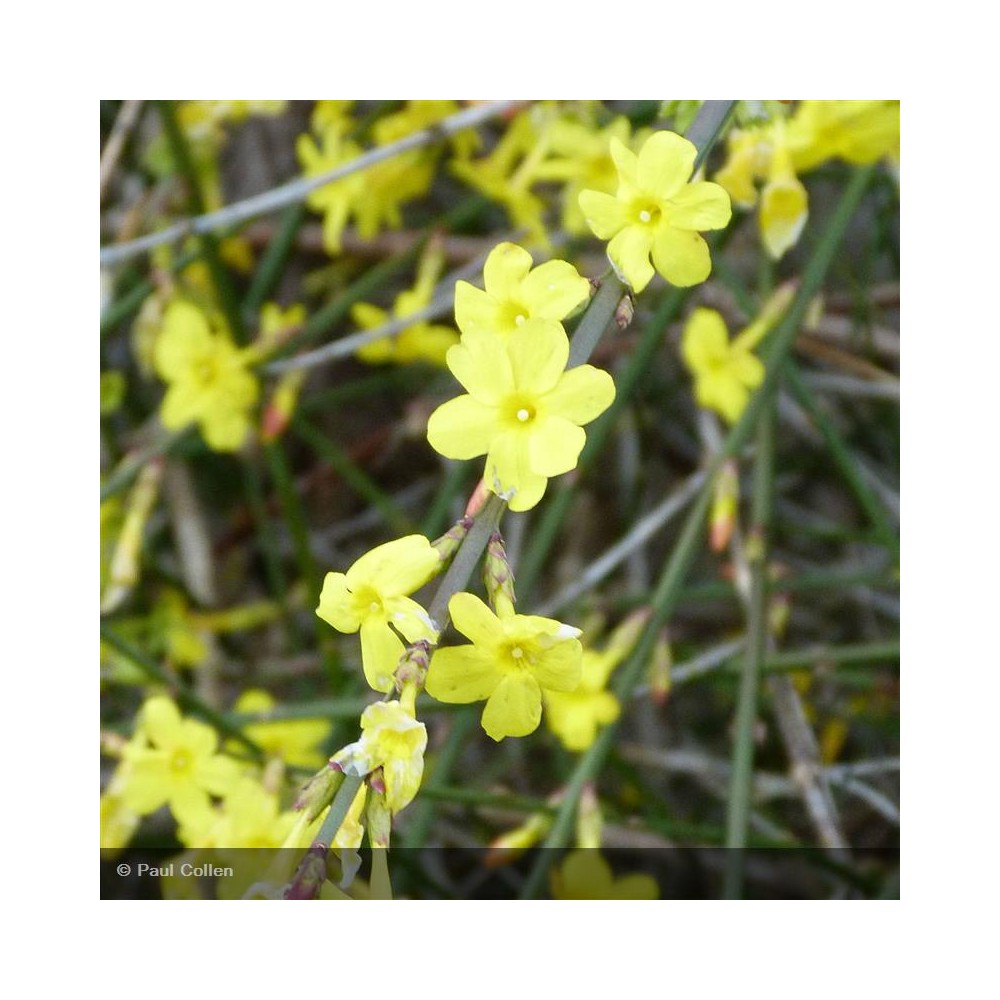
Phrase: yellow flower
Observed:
(575, 716)
(725, 372)
(207, 376)
(296, 741)
(391, 739)
(374, 592)
(174, 761)
(512, 660)
(421, 342)
(855, 131)
(508, 172)
(586, 875)
(524, 411)
(656, 211)
(784, 206)
(582, 160)
(516, 293)
(337, 199)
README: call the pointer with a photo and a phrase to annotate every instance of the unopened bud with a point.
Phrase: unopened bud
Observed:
(659, 669)
(412, 671)
(589, 819)
(447, 545)
(510, 846)
(281, 406)
(498, 576)
(625, 312)
(318, 791)
(479, 497)
(725, 499)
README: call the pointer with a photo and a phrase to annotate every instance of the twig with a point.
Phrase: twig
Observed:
(637, 536)
(297, 190)
(128, 115)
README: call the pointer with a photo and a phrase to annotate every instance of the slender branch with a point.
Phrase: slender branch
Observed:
(741, 785)
(128, 115)
(297, 190)
(636, 537)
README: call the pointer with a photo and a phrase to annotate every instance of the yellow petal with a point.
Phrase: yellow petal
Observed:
(705, 341)
(381, 649)
(505, 268)
(629, 255)
(514, 708)
(181, 405)
(481, 363)
(462, 674)
(538, 350)
(554, 446)
(626, 162)
(335, 605)
(604, 213)
(462, 428)
(665, 164)
(161, 722)
(509, 473)
(475, 311)
(560, 666)
(681, 256)
(701, 206)
(397, 567)
(475, 621)
(582, 394)
(784, 208)
(184, 337)
(554, 289)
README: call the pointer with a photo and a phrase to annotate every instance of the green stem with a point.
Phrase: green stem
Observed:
(741, 782)
(338, 810)
(595, 321)
(468, 555)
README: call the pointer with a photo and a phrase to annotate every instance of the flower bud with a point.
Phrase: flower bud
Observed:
(281, 406)
(498, 576)
(625, 312)
(447, 545)
(659, 669)
(725, 499)
(319, 791)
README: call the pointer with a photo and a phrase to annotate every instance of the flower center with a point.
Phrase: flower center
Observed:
(517, 652)
(513, 314)
(646, 213)
(520, 411)
(180, 761)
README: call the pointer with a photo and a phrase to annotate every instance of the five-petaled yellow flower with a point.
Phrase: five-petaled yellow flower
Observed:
(174, 761)
(392, 739)
(725, 371)
(516, 292)
(374, 592)
(208, 378)
(511, 661)
(524, 411)
(656, 211)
